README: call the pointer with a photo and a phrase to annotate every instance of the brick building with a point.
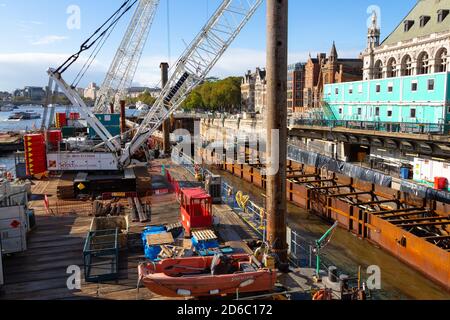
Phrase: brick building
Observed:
(327, 70)
(295, 86)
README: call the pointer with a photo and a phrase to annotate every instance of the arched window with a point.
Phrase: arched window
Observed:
(392, 68)
(441, 60)
(407, 68)
(378, 70)
(423, 63)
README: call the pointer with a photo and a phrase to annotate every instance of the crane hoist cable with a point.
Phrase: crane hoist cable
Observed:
(98, 34)
(91, 58)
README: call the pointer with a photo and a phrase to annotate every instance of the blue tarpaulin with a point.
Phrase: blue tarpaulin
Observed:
(152, 252)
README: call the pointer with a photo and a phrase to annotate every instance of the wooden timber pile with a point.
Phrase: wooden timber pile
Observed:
(139, 212)
(143, 181)
(65, 189)
(108, 209)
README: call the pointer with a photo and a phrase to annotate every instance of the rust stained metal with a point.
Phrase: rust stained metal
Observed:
(350, 194)
(424, 224)
(381, 213)
(371, 203)
(437, 238)
(411, 214)
(401, 221)
(314, 181)
(331, 187)
(424, 253)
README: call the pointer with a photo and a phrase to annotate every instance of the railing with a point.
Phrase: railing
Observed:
(394, 127)
(247, 210)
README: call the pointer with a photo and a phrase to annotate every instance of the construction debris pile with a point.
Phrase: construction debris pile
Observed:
(139, 212)
(111, 208)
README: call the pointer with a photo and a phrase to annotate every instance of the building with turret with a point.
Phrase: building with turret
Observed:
(406, 77)
(326, 70)
(419, 45)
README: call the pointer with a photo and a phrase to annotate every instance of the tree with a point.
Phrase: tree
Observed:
(193, 101)
(216, 95)
(145, 98)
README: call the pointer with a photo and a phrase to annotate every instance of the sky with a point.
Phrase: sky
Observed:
(36, 35)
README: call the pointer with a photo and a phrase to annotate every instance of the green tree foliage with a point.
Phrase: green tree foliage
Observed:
(216, 95)
(145, 97)
(193, 101)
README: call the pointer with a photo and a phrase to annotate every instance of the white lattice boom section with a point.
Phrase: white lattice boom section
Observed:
(123, 68)
(193, 66)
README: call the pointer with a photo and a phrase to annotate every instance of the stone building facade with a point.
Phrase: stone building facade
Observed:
(91, 91)
(248, 92)
(419, 45)
(253, 91)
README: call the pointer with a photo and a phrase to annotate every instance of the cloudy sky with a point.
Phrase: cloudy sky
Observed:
(39, 34)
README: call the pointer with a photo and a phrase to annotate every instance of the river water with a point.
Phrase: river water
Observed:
(347, 252)
(7, 160)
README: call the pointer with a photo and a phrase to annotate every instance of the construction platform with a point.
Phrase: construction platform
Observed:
(57, 243)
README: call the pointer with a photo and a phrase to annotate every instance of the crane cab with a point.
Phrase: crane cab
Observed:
(196, 209)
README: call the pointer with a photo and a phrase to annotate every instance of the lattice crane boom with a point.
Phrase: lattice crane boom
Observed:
(193, 67)
(123, 68)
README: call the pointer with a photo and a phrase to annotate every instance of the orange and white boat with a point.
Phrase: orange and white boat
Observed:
(207, 276)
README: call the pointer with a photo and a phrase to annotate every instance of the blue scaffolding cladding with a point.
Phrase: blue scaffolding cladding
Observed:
(419, 99)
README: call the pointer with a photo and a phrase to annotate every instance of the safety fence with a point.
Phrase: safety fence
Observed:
(63, 207)
(394, 127)
(246, 209)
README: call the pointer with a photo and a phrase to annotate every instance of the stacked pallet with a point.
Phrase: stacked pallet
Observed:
(65, 189)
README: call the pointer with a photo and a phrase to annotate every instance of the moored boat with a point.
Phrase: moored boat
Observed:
(25, 116)
(207, 276)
